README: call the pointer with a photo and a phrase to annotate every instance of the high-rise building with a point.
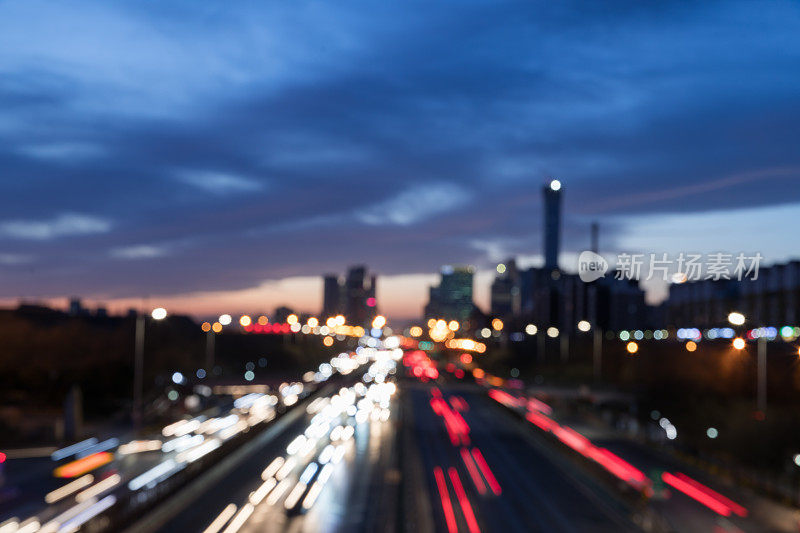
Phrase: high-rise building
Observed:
(551, 194)
(354, 298)
(76, 307)
(452, 298)
(548, 296)
(332, 296)
(360, 304)
(506, 290)
(282, 313)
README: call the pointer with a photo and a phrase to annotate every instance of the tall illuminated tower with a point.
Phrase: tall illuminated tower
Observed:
(551, 194)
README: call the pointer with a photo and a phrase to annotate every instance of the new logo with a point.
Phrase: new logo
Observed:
(591, 266)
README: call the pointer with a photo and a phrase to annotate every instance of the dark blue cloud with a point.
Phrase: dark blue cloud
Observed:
(219, 145)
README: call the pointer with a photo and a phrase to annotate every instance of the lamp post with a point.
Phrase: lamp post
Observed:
(597, 353)
(738, 319)
(211, 331)
(564, 346)
(761, 392)
(541, 347)
(210, 350)
(158, 313)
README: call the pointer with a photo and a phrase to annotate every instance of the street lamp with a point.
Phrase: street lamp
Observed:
(597, 347)
(210, 330)
(738, 319)
(378, 322)
(159, 313)
(735, 318)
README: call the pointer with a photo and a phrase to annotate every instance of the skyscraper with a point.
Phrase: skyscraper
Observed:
(359, 295)
(354, 298)
(332, 296)
(551, 194)
(505, 293)
(452, 298)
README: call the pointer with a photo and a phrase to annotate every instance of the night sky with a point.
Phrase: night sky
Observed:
(220, 156)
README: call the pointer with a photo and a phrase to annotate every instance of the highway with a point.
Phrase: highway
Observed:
(486, 476)
(105, 484)
(345, 502)
(680, 497)
(381, 440)
(483, 476)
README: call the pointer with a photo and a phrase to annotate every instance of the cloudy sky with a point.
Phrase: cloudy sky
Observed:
(221, 156)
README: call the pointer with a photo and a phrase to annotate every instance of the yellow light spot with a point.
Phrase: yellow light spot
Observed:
(313, 322)
(291, 319)
(205, 326)
(415, 331)
(263, 321)
(738, 343)
(453, 325)
(439, 334)
(216, 327)
(691, 346)
(497, 324)
(327, 341)
(632, 347)
(245, 321)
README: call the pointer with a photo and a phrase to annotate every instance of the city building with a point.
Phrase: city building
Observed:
(506, 290)
(452, 298)
(332, 297)
(548, 296)
(76, 307)
(354, 297)
(551, 195)
(772, 299)
(282, 313)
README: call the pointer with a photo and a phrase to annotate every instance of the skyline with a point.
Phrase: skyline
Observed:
(402, 293)
(216, 156)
